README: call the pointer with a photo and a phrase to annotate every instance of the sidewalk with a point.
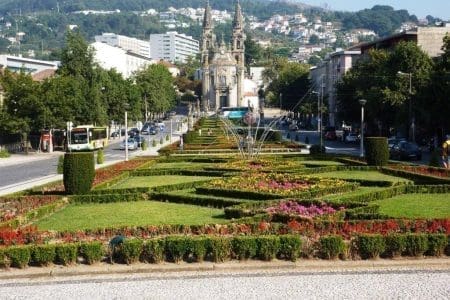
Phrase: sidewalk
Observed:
(306, 266)
(17, 159)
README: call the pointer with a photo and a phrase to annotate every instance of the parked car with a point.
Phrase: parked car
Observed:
(352, 138)
(133, 131)
(330, 135)
(131, 144)
(139, 140)
(404, 150)
(394, 140)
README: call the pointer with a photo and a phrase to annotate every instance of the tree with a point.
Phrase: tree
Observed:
(314, 39)
(253, 51)
(156, 86)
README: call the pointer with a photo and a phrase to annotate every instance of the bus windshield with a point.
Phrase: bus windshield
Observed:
(79, 136)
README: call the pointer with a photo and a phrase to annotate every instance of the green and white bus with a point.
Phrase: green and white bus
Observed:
(88, 138)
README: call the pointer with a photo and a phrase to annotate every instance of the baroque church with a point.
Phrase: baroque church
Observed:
(223, 67)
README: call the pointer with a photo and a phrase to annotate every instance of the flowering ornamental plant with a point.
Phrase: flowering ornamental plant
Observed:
(260, 164)
(291, 207)
(424, 170)
(275, 183)
(13, 207)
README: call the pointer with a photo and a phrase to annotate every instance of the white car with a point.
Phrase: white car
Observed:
(132, 144)
(352, 138)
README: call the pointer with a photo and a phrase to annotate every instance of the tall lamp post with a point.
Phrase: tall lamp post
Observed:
(126, 131)
(362, 102)
(412, 134)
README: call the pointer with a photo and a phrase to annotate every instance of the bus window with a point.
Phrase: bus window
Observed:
(79, 136)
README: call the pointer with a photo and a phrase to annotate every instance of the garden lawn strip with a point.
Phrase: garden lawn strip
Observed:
(154, 181)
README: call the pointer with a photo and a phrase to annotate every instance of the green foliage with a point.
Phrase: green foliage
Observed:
(43, 255)
(175, 248)
(100, 157)
(154, 250)
(154, 143)
(66, 254)
(435, 159)
(19, 256)
(4, 153)
(290, 247)
(144, 145)
(218, 248)
(331, 246)
(79, 172)
(267, 246)
(244, 247)
(4, 260)
(315, 149)
(370, 245)
(395, 244)
(195, 249)
(167, 137)
(60, 166)
(161, 140)
(377, 151)
(436, 244)
(130, 250)
(416, 244)
(92, 252)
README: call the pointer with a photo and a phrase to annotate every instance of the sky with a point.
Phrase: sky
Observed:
(420, 8)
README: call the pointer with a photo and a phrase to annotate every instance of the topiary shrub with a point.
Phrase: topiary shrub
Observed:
(195, 249)
(144, 145)
(267, 246)
(416, 244)
(167, 137)
(4, 153)
(130, 250)
(79, 172)
(434, 159)
(244, 247)
(290, 247)
(60, 166)
(307, 140)
(66, 254)
(161, 140)
(315, 149)
(395, 244)
(370, 245)
(43, 255)
(153, 250)
(92, 252)
(436, 244)
(175, 248)
(4, 260)
(153, 143)
(218, 248)
(331, 246)
(19, 256)
(100, 157)
(376, 151)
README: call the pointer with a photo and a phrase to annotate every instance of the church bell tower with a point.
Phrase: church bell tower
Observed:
(238, 51)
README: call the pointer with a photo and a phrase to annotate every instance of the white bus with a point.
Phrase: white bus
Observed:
(88, 138)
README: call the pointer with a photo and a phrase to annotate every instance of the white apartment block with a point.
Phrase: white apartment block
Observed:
(173, 47)
(127, 43)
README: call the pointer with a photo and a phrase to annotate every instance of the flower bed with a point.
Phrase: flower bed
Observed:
(103, 175)
(11, 208)
(293, 208)
(287, 185)
(424, 170)
(260, 164)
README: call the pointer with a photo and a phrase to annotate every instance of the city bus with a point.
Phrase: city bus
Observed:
(87, 138)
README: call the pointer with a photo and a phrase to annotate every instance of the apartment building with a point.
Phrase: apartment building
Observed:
(134, 45)
(173, 47)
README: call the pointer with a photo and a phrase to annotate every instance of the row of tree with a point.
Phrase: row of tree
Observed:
(400, 86)
(82, 92)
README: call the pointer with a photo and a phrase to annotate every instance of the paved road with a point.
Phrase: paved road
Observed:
(396, 284)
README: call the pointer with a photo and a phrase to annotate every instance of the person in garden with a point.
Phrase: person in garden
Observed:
(446, 152)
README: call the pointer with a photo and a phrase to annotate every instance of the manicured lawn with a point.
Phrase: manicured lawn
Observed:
(360, 191)
(180, 165)
(321, 162)
(92, 216)
(152, 181)
(416, 206)
(366, 175)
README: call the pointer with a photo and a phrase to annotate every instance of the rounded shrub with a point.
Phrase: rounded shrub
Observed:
(154, 143)
(92, 252)
(153, 250)
(416, 244)
(4, 260)
(167, 137)
(4, 153)
(331, 246)
(195, 249)
(376, 151)
(161, 140)
(370, 245)
(175, 248)
(144, 145)
(244, 247)
(436, 244)
(100, 157)
(435, 159)
(79, 172)
(307, 140)
(267, 246)
(130, 250)
(316, 149)
(290, 247)
(218, 248)
(66, 254)
(395, 244)
(19, 256)
(43, 255)
(60, 166)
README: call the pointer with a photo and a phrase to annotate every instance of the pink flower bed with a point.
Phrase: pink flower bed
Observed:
(294, 208)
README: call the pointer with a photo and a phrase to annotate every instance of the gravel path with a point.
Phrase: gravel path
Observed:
(396, 284)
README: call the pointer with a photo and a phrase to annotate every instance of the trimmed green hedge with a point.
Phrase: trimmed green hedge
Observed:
(370, 245)
(419, 179)
(92, 252)
(159, 172)
(331, 246)
(109, 198)
(376, 151)
(79, 172)
(66, 254)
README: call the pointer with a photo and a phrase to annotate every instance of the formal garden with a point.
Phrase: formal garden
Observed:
(193, 205)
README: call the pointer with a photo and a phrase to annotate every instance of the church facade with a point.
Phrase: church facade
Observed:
(223, 66)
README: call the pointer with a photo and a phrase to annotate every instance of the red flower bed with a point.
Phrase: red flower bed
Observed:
(10, 208)
(108, 173)
(25, 235)
(423, 170)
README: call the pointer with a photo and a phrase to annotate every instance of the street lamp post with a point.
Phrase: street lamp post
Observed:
(362, 102)
(412, 134)
(126, 135)
(281, 97)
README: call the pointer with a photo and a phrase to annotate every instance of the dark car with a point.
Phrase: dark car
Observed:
(404, 150)
(133, 131)
(331, 135)
(139, 140)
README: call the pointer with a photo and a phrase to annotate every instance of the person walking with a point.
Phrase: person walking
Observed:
(446, 152)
